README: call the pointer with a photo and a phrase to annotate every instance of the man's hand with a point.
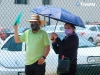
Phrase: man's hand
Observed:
(15, 27)
(41, 61)
(46, 52)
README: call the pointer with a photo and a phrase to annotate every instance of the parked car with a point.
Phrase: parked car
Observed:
(12, 58)
(20, 30)
(3, 32)
(1, 42)
(54, 28)
(91, 32)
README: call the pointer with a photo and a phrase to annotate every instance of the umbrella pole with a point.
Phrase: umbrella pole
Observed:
(49, 20)
(56, 25)
(55, 29)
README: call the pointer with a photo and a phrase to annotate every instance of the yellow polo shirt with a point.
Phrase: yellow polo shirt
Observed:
(35, 45)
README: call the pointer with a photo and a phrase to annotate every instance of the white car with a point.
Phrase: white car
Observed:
(91, 32)
(12, 58)
(1, 42)
(54, 28)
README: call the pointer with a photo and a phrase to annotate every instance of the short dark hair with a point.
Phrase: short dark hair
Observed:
(72, 25)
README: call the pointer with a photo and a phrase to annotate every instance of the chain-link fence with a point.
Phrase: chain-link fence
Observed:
(12, 55)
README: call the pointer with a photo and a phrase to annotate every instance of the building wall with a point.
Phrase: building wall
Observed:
(9, 10)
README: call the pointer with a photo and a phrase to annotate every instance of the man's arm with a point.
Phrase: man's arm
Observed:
(47, 44)
(16, 36)
(47, 50)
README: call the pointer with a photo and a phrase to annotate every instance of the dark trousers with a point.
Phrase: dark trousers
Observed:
(72, 70)
(35, 69)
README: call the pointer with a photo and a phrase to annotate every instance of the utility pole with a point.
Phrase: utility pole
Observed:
(48, 22)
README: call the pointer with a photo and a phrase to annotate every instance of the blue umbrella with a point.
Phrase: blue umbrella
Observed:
(59, 14)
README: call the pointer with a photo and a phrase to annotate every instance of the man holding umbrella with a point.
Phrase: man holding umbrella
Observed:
(37, 46)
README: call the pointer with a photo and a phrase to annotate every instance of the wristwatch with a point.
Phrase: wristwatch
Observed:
(44, 57)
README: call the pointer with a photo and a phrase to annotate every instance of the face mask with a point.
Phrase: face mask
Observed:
(68, 32)
(34, 26)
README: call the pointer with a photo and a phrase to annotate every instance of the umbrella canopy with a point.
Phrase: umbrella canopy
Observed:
(59, 14)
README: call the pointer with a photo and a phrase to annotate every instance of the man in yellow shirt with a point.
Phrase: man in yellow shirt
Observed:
(37, 46)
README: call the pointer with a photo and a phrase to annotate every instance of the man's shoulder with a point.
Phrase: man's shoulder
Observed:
(43, 31)
(28, 30)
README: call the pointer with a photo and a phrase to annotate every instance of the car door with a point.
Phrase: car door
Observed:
(98, 34)
(12, 55)
(98, 29)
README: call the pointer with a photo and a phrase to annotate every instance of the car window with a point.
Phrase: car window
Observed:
(5, 30)
(48, 28)
(93, 28)
(85, 43)
(52, 28)
(25, 29)
(10, 45)
(20, 30)
(98, 28)
(61, 28)
(80, 28)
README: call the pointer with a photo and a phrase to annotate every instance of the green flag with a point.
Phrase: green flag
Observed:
(17, 21)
